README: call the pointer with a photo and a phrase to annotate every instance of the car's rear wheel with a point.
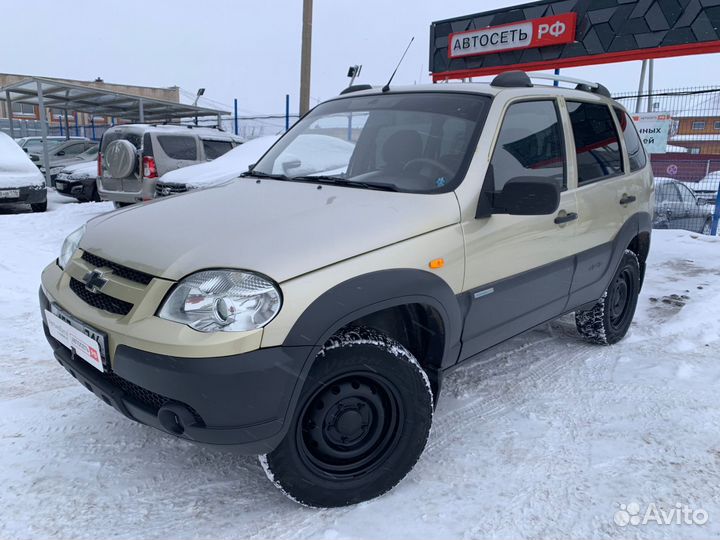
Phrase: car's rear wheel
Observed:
(360, 425)
(39, 207)
(609, 319)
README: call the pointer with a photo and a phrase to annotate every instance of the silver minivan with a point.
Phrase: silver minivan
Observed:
(133, 156)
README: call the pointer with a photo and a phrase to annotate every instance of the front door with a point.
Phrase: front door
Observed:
(519, 268)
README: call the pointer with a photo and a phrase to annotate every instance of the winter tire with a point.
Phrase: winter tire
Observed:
(360, 425)
(608, 320)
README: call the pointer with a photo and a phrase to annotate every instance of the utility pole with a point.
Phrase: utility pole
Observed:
(306, 56)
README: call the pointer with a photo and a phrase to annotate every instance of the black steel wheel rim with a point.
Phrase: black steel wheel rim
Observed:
(350, 425)
(620, 295)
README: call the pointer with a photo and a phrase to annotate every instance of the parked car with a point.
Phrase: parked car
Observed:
(677, 207)
(133, 156)
(58, 163)
(33, 145)
(309, 316)
(79, 181)
(216, 172)
(707, 188)
(20, 180)
(63, 150)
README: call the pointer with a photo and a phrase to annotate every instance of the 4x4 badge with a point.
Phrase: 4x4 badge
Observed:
(95, 280)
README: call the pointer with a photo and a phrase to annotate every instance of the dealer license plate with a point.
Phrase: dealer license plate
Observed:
(9, 193)
(82, 340)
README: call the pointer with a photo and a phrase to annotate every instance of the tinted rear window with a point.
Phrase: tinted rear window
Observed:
(596, 141)
(635, 150)
(178, 146)
(215, 149)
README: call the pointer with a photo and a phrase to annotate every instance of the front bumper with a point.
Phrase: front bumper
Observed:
(242, 400)
(78, 189)
(28, 195)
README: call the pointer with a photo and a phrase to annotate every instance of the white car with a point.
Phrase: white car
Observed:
(20, 180)
(216, 172)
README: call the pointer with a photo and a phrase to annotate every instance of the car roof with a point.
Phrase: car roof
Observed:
(203, 132)
(483, 88)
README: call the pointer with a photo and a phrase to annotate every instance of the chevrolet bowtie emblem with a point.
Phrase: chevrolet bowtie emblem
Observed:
(95, 280)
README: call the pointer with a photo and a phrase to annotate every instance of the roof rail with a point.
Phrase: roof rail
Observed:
(520, 79)
(356, 88)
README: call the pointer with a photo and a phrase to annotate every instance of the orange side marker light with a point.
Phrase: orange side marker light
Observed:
(437, 263)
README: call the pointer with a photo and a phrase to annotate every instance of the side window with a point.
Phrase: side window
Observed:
(178, 146)
(530, 143)
(74, 149)
(215, 149)
(596, 141)
(686, 195)
(635, 150)
(667, 192)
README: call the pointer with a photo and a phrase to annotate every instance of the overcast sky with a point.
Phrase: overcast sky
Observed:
(250, 49)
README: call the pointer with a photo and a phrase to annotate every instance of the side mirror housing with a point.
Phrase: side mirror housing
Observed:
(527, 196)
(60, 153)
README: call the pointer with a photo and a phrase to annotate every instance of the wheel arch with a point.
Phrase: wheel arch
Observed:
(414, 307)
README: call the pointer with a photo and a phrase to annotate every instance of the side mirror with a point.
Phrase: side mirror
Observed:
(701, 201)
(527, 196)
(290, 165)
(60, 153)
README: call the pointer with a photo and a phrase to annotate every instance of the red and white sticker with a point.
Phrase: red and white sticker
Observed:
(554, 30)
(84, 346)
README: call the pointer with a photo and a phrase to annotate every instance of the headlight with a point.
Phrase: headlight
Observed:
(222, 301)
(70, 245)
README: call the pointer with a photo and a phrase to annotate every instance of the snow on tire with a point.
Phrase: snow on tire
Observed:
(361, 423)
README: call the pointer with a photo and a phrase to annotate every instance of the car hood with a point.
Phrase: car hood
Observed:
(280, 229)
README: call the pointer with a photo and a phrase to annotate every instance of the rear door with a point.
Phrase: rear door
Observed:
(602, 185)
(519, 268)
(693, 216)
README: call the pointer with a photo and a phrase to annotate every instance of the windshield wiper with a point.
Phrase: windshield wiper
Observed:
(258, 174)
(340, 181)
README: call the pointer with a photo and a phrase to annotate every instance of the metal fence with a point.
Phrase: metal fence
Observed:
(687, 174)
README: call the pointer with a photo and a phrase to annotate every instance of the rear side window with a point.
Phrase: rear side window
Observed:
(215, 149)
(596, 141)
(178, 146)
(635, 150)
(667, 192)
(530, 143)
(133, 138)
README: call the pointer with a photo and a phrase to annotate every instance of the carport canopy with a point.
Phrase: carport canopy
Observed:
(57, 94)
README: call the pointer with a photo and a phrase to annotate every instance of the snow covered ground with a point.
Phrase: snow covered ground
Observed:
(544, 436)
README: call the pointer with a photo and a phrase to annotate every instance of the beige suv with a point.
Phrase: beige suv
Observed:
(308, 311)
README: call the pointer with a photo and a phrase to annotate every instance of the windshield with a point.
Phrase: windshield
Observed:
(35, 145)
(413, 142)
(90, 153)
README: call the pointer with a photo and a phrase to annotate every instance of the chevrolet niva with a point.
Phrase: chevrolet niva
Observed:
(307, 311)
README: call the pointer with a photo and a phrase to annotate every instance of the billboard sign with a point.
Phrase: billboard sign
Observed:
(551, 34)
(521, 35)
(654, 129)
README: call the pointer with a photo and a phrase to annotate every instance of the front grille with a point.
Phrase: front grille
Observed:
(148, 397)
(163, 190)
(118, 270)
(100, 300)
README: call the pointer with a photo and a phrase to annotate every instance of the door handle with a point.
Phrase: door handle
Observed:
(627, 199)
(572, 216)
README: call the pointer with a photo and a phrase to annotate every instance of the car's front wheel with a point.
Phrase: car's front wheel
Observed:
(39, 207)
(360, 425)
(609, 319)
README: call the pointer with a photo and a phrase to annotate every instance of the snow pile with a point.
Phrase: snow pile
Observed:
(222, 169)
(79, 171)
(16, 169)
(544, 436)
